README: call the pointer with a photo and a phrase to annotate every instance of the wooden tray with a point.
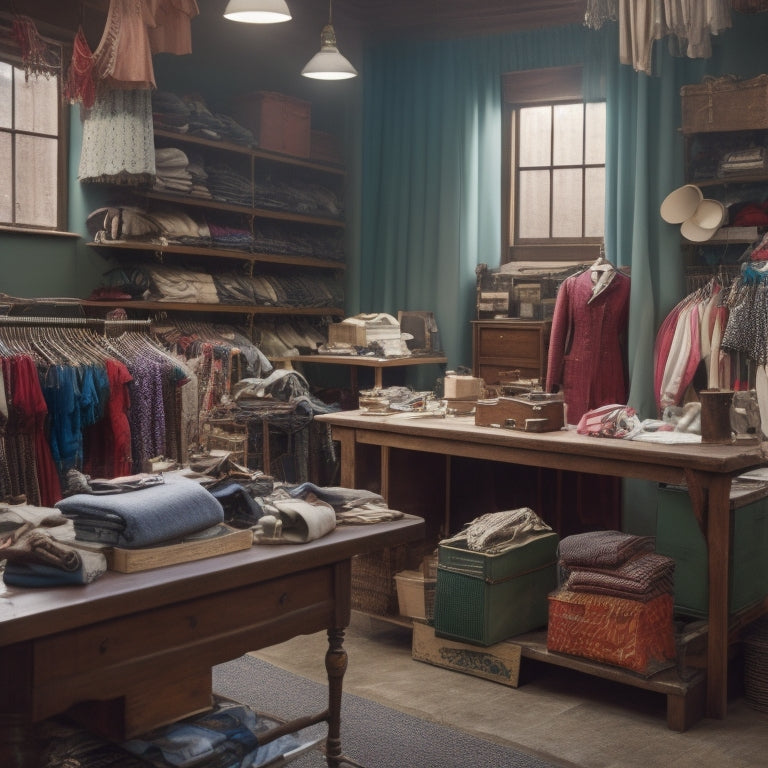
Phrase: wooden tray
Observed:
(133, 560)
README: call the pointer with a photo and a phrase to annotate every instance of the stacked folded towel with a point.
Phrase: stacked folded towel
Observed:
(616, 564)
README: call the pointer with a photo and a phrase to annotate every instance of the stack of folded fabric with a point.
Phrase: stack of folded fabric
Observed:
(743, 162)
(617, 564)
(173, 174)
(616, 604)
(142, 510)
(35, 544)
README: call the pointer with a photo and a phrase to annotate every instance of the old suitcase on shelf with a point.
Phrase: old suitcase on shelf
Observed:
(528, 412)
(725, 104)
(485, 598)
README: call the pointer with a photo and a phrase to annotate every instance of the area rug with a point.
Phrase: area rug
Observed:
(372, 735)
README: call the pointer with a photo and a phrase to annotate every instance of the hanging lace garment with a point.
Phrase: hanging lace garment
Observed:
(118, 139)
(123, 58)
(691, 23)
(599, 12)
(79, 85)
(36, 56)
(173, 32)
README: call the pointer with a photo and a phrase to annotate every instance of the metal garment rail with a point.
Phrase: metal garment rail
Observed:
(28, 321)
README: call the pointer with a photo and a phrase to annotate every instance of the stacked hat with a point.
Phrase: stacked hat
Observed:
(699, 217)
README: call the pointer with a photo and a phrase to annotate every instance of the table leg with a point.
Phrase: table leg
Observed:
(718, 527)
(336, 666)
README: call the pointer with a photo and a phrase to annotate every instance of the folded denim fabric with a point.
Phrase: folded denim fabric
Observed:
(143, 517)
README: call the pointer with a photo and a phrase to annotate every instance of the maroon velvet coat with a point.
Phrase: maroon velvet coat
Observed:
(587, 345)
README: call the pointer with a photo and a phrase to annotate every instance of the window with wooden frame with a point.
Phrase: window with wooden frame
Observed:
(33, 144)
(554, 167)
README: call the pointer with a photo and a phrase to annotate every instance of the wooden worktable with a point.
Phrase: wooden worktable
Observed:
(130, 652)
(707, 471)
(361, 361)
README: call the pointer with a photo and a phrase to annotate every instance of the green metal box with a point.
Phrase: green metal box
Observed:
(679, 536)
(484, 598)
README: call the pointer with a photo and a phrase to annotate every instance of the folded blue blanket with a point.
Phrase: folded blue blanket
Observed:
(144, 517)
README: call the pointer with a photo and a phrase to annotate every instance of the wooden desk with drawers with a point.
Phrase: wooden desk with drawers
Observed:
(134, 651)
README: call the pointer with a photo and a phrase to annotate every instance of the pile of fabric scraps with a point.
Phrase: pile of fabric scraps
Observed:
(35, 545)
(616, 564)
(495, 532)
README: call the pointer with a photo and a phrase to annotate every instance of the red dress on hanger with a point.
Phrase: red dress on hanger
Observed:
(587, 345)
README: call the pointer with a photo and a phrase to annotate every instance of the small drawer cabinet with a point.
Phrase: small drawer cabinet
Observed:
(508, 345)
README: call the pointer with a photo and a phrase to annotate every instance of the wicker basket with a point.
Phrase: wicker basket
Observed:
(725, 104)
(756, 665)
(374, 589)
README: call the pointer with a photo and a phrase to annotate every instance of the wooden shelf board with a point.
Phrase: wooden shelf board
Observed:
(261, 154)
(243, 309)
(222, 253)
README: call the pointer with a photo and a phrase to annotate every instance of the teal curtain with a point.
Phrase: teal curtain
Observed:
(431, 172)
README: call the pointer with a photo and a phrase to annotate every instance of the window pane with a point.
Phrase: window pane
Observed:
(566, 203)
(534, 204)
(37, 103)
(569, 134)
(594, 204)
(36, 181)
(535, 134)
(595, 128)
(6, 198)
(6, 114)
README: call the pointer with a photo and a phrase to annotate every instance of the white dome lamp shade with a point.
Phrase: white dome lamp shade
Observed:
(328, 63)
(257, 11)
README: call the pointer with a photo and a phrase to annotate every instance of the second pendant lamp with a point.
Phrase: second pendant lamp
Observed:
(328, 63)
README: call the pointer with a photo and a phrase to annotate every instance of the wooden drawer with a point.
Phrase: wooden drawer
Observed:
(173, 646)
(522, 344)
(490, 373)
(510, 345)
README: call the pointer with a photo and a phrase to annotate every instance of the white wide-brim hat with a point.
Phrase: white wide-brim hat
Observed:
(681, 204)
(705, 221)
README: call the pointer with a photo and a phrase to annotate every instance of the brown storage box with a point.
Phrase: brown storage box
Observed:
(523, 412)
(627, 633)
(280, 123)
(725, 104)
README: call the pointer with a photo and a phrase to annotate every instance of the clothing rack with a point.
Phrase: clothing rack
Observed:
(75, 322)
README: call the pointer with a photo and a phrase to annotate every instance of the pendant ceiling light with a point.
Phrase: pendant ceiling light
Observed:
(328, 63)
(257, 11)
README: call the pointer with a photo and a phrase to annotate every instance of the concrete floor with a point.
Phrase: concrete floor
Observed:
(565, 717)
